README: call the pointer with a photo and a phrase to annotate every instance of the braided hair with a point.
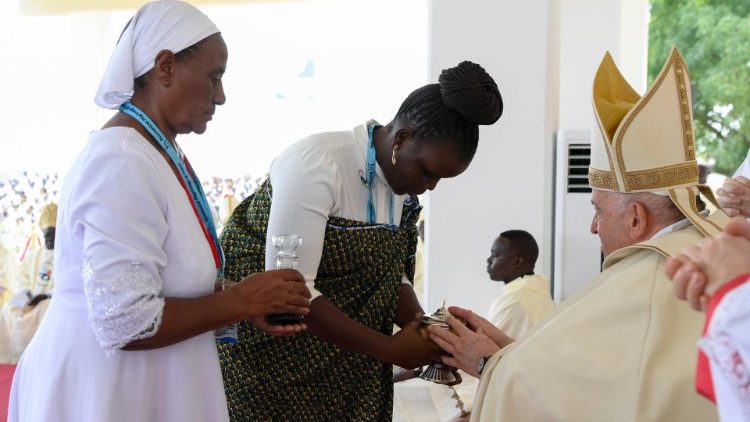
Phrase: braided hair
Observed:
(465, 97)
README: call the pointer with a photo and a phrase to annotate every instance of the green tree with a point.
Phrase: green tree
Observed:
(714, 37)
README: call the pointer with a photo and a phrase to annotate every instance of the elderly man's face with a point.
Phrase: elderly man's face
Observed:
(611, 221)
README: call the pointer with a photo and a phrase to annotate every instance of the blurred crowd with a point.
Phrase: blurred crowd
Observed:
(24, 194)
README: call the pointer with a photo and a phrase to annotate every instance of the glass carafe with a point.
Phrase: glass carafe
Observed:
(286, 258)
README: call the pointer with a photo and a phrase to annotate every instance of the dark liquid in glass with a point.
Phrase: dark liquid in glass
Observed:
(284, 319)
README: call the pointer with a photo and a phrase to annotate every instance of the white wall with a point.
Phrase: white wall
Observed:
(504, 188)
(588, 29)
(543, 55)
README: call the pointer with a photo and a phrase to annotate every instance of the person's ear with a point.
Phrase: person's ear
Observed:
(165, 65)
(403, 135)
(639, 221)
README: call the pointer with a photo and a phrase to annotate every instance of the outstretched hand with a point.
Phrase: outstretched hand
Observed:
(466, 345)
(273, 292)
(277, 330)
(409, 349)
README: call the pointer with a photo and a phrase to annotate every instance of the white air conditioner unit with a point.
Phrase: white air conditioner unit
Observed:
(576, 252)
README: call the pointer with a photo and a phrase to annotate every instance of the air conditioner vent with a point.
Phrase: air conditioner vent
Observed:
(576, 252)
(579, 157)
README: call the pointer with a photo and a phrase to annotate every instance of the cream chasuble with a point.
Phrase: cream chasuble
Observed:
(524, 303)
(620, 349)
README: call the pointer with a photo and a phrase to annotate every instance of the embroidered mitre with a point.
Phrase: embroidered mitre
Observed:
(646, 144)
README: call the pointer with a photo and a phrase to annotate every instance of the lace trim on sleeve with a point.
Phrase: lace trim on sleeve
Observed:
(720, 344)
(124, 308)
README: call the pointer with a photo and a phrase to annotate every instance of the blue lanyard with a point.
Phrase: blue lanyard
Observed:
(371, 214)
(191, 182)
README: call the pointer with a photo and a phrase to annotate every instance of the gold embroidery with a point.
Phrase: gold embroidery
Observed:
(601, 179)
(707, 227)
(687, 126)
(694, 207)
(675, 199)
(661, 177)
(684, 173)
(709, 194)
(608, 150)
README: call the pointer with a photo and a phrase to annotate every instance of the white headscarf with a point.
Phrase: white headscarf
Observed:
(161, 25)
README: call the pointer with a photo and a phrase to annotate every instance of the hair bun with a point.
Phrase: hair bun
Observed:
(470, 90)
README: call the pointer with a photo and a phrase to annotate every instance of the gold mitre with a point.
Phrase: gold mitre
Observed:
(646, 144)
(48, 218)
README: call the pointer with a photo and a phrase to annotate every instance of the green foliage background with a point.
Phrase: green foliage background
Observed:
(714, 38)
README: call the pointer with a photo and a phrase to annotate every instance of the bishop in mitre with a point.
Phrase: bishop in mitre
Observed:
(619, 349)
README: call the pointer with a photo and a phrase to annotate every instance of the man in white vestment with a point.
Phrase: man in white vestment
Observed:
(523, 303)
(616, 349)
(21, 316)
(526, 299)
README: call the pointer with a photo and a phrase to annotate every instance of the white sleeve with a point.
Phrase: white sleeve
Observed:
(744, 168)
(304, 191)
(118, 210)
(727, 343)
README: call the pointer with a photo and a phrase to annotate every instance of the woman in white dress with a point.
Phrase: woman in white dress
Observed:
(129, 334)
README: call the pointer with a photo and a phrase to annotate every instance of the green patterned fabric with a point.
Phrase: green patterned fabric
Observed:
(302, 378)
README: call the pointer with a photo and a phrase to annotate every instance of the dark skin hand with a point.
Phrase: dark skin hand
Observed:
(408, 308)
(270, 292)
(407, 348)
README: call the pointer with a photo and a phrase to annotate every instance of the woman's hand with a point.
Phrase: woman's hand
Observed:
(408, 349)
(734, 196)
(278, 330)
(273, 292)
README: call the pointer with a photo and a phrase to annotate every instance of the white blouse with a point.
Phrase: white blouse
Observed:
(321, 176)
(726, 343)
(744, 168)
